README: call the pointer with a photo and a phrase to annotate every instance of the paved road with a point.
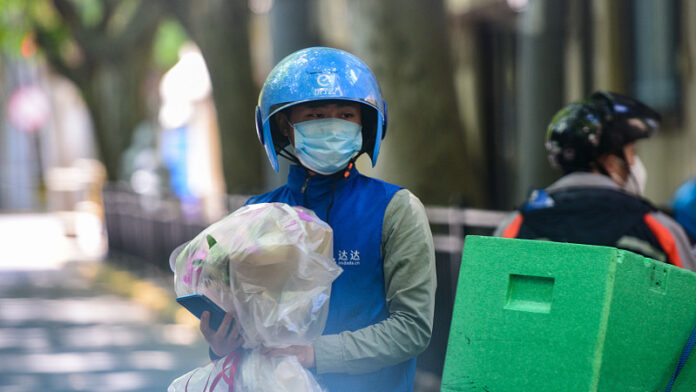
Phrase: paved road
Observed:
(74, 327)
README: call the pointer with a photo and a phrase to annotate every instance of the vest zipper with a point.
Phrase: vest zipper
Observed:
(303, 190)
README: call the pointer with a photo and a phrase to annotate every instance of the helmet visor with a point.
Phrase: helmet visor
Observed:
(631, 118)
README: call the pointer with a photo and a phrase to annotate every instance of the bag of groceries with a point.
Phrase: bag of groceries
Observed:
(272, 266)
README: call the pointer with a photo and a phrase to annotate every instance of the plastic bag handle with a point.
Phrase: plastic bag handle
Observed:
(227, 376)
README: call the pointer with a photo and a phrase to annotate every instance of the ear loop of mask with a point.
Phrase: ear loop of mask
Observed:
(630, 176)
(633, 183)
(624, 162)
(626, 166)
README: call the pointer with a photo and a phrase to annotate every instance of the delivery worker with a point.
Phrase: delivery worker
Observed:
(598, 200)
(321, 108)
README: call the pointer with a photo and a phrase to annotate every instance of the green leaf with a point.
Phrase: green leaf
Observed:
(170, 36)
(211, 240)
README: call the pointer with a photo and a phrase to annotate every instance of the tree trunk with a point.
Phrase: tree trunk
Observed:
(219, 28)
(114, 95)
(405, 43)
(110, 72)
(540, 92)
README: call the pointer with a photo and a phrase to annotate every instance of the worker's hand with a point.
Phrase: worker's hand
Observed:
(224, 340)
(304, 354)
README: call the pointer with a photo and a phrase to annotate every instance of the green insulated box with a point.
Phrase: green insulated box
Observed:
(541, 316)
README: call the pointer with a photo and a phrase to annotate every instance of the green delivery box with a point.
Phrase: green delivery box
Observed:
(541, 316)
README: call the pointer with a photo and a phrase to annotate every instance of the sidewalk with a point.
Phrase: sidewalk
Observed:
(38, 241)
(69, 325)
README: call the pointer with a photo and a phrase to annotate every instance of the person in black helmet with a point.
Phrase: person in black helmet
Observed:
(599, 200)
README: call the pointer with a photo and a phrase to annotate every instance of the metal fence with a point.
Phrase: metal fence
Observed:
(142, 231)
(145, 229)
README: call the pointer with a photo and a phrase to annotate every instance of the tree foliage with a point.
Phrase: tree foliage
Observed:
(104, 48)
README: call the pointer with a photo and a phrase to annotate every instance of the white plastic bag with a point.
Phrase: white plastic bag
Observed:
(272, 265)
(258, 373)
(252, 372)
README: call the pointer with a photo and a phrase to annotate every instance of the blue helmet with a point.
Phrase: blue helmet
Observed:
(314, 74)
(684, 206)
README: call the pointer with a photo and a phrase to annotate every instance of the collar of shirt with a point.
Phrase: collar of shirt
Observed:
(583, 180)
(318, 186)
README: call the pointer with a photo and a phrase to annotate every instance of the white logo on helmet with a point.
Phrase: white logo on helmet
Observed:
(327, 85)
(326, 80)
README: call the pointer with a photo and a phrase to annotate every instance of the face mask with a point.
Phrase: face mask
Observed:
(637, 178)
(326, 146)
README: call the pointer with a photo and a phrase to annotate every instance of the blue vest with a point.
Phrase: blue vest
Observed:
(354, 208)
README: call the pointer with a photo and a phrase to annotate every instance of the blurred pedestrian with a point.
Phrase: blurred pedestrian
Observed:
(321, 108)
(599, 199)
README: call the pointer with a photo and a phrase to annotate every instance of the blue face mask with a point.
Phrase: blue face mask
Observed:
(326, 146)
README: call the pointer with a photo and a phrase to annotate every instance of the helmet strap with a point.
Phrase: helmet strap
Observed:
(289, 156)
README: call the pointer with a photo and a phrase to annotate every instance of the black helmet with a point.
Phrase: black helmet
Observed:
(604, 123)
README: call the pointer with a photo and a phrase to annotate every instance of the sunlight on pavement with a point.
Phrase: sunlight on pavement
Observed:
(115, 381)
(38, 241)
(61, 362)
(29, 339)
(80, 362)
(74, 310)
